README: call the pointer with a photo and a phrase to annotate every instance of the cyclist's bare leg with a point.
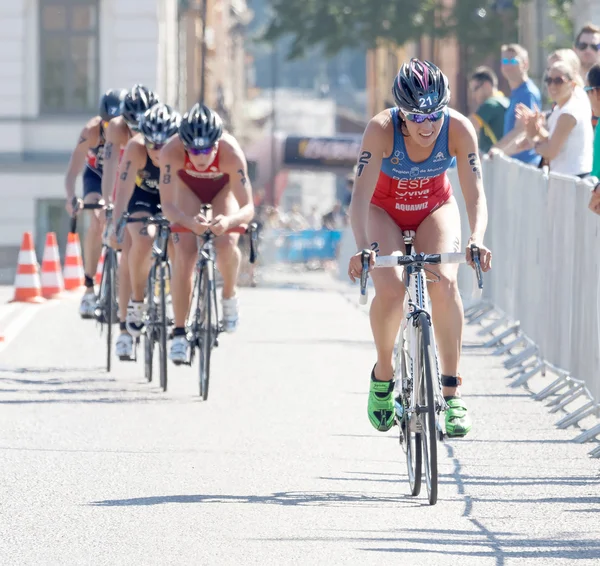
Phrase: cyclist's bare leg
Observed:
(92, 242)
(123, 275)
(186, 253)
(229, 256)
(140, 255)
(387, 305)
(440, 233)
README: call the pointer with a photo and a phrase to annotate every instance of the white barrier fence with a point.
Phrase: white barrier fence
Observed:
(546, 259)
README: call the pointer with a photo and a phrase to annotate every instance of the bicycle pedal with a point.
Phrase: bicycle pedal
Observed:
(127, 359)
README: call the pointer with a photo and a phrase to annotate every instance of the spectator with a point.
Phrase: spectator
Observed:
(587, 45)
(488, 119)
(515, 64)
(313, 218)
(295, 220)
(335, 218)
(593, 91)
(567, 142)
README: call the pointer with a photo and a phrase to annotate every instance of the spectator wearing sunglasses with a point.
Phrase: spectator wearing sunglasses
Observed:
(515, 66)
(204, 165)
(567, 140)
(593, 91)
(137, 193)
(587, 47)
(488, 119)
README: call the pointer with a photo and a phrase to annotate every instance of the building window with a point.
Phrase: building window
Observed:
(69, 65)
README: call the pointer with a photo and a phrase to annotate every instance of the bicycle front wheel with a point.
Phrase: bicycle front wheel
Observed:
(205, 337)
(428, 412)
(162, 327)
(150, 332)
(109, 300)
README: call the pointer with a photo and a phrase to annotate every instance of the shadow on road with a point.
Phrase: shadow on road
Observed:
(294, 498)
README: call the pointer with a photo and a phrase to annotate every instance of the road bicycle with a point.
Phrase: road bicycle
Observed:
(106, 299)
(157, 321)
(418, 394)
(204, 324)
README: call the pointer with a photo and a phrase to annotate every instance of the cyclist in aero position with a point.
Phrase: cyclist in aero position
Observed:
(120, 131)
(90, 151)
(204, 165)
(401, 184)
(137, 194)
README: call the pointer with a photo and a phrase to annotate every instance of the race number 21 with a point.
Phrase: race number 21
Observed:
(362, 161)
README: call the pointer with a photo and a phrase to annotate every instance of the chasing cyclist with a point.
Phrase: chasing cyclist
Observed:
(401, 184)
(120, 131)
(90, 151)
(204, 164)
(137, 193)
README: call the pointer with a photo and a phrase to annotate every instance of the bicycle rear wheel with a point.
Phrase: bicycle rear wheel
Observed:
(410, 435)
(205, 335)
(162, 327)
(428, 413)
(149, 334)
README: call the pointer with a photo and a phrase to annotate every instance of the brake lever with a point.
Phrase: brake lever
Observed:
(476, 260)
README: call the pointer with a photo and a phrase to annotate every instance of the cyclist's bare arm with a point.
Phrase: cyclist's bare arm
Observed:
(234, 163)
(367, 172)
(117, 135)
(87, 138)
(172, 160)
(133, 160)
(463, 146)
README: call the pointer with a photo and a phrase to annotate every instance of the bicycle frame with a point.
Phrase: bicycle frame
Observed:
(416, 301)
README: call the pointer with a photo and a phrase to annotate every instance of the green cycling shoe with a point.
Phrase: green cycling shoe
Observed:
(381, 404)
(458, 421)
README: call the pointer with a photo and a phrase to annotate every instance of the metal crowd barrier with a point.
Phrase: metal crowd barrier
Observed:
(541, 299)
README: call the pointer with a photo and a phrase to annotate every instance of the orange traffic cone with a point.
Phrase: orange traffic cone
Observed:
(100, 267)
(73, 273)
(52, 279)
(28, 288)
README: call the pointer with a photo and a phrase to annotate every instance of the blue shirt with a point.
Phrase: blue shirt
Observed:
(528, 94)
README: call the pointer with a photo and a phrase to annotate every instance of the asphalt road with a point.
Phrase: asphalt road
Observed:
(281, 465)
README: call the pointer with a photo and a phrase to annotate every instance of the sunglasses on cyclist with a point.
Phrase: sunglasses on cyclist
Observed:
(510, 61)
(590, 88)
(152, 145)
(582, 46)
(205, 151)
(420, 118)
(558, 81)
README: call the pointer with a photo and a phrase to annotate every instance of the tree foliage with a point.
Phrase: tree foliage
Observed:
(335, 24)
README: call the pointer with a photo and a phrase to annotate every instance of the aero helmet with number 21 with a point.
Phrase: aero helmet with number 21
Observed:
(420, 87)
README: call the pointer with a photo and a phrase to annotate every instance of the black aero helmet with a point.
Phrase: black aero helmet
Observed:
(421, 87)
(159, 123)
(136, 102)
(110, 103)
(200, 127)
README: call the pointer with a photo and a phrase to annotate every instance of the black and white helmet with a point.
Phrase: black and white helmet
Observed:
(159, 123)
(136, 102)
(110, 103)
(200, 127)
(421, 87)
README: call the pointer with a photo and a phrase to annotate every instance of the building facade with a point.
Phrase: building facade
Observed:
(59, 56)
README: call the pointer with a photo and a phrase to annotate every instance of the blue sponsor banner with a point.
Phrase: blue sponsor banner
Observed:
(307, 245)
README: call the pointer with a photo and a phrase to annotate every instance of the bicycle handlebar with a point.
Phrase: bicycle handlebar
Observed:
(78, 205)
(419, 259)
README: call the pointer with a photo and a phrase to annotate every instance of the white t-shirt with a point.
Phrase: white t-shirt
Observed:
(577, 153)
